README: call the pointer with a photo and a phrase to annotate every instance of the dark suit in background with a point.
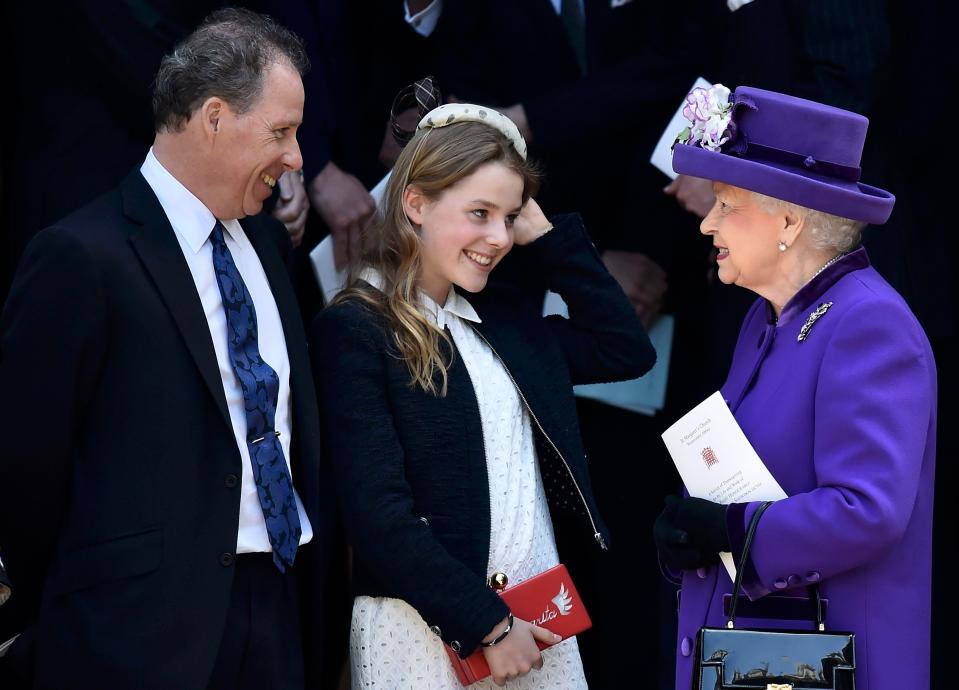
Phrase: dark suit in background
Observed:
(80, 79)
(584, 124)
(915, 252)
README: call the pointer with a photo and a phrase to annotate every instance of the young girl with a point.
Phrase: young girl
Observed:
(450, 421)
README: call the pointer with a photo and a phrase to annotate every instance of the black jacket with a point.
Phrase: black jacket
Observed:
(119, 499)
(411, 467)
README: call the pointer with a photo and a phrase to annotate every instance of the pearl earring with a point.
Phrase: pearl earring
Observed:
(783, 246)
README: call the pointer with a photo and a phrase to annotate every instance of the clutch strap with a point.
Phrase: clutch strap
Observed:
(741, 567)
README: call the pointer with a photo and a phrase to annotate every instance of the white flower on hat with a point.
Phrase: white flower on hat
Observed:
(709, 113)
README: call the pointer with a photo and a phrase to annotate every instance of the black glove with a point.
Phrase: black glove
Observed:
(690, 532)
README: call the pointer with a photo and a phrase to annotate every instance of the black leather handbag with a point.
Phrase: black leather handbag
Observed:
(731, 658)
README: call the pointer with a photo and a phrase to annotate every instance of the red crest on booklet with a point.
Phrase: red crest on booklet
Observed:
(549, 600)
(709, 456)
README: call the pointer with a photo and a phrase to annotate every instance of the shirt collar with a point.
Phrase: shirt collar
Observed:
(455, 304)
(815, 288)
(187, 214)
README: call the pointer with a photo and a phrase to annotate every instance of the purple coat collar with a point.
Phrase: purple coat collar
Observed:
(803, 300)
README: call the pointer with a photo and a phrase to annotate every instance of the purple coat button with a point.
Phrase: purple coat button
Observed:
(813, 576)
(701, 573)
(686, 646)
(794, 580)
(780, 583)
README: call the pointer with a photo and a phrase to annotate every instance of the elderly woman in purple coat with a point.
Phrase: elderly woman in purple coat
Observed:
(833, 383)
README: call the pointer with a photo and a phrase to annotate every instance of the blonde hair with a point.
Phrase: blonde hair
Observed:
(434, 160)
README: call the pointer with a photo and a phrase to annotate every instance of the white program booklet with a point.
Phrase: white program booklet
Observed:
(716, 460)
(645, 395)
(380, 188)
(662, 156)
(331, 279)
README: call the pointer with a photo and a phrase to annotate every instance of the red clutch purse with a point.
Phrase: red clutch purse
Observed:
(549, 600)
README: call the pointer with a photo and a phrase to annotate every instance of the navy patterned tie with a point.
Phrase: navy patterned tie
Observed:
(260, 385)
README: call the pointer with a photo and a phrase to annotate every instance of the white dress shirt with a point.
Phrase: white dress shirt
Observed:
(192, 223)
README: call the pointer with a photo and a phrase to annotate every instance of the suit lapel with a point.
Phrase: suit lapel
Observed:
(156, 244)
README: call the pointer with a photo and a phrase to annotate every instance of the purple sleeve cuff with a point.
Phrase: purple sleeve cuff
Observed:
(738, 516)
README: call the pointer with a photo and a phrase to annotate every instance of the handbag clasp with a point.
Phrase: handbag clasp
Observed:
(497, 581)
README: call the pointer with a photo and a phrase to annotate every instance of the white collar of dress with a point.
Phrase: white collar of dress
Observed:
(455, 304)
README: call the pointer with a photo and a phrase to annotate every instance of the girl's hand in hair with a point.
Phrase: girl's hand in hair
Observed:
(517, 654)
(530, 224)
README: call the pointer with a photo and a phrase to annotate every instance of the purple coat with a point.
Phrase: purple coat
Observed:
(845, 420)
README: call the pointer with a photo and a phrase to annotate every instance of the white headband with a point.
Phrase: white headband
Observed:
(468, 112)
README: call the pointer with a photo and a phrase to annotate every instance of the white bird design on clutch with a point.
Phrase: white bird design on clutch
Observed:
(563, 601)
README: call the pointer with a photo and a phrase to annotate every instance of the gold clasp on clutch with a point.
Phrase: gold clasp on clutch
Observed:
(497, 581)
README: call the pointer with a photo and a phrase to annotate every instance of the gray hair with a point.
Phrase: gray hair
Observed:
(827, 231)
(226, 56)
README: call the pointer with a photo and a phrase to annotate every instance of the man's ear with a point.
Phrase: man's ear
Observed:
(414, 203)
(210, 114)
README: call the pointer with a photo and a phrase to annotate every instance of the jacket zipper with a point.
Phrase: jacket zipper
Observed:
(596, 535)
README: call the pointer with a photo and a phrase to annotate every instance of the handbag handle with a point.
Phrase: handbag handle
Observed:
(741, 567)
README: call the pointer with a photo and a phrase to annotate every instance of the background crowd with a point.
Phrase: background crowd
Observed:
(591, 85)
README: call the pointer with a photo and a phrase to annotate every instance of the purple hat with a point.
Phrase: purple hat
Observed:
(781, 146)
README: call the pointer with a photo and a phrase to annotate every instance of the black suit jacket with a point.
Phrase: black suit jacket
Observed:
(633, 56)
(118, 495)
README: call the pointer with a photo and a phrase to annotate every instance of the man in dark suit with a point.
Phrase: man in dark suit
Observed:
(160, 497)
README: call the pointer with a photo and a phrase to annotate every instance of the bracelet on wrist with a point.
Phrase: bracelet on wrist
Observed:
(499, 638)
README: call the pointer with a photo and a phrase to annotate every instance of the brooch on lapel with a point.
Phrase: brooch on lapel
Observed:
(813, 318)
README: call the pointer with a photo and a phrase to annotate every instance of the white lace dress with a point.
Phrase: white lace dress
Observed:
(391, 646)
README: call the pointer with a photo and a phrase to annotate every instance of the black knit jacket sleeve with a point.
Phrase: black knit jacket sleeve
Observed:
(603, 340)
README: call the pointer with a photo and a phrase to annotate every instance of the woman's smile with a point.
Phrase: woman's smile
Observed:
(483, 262)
